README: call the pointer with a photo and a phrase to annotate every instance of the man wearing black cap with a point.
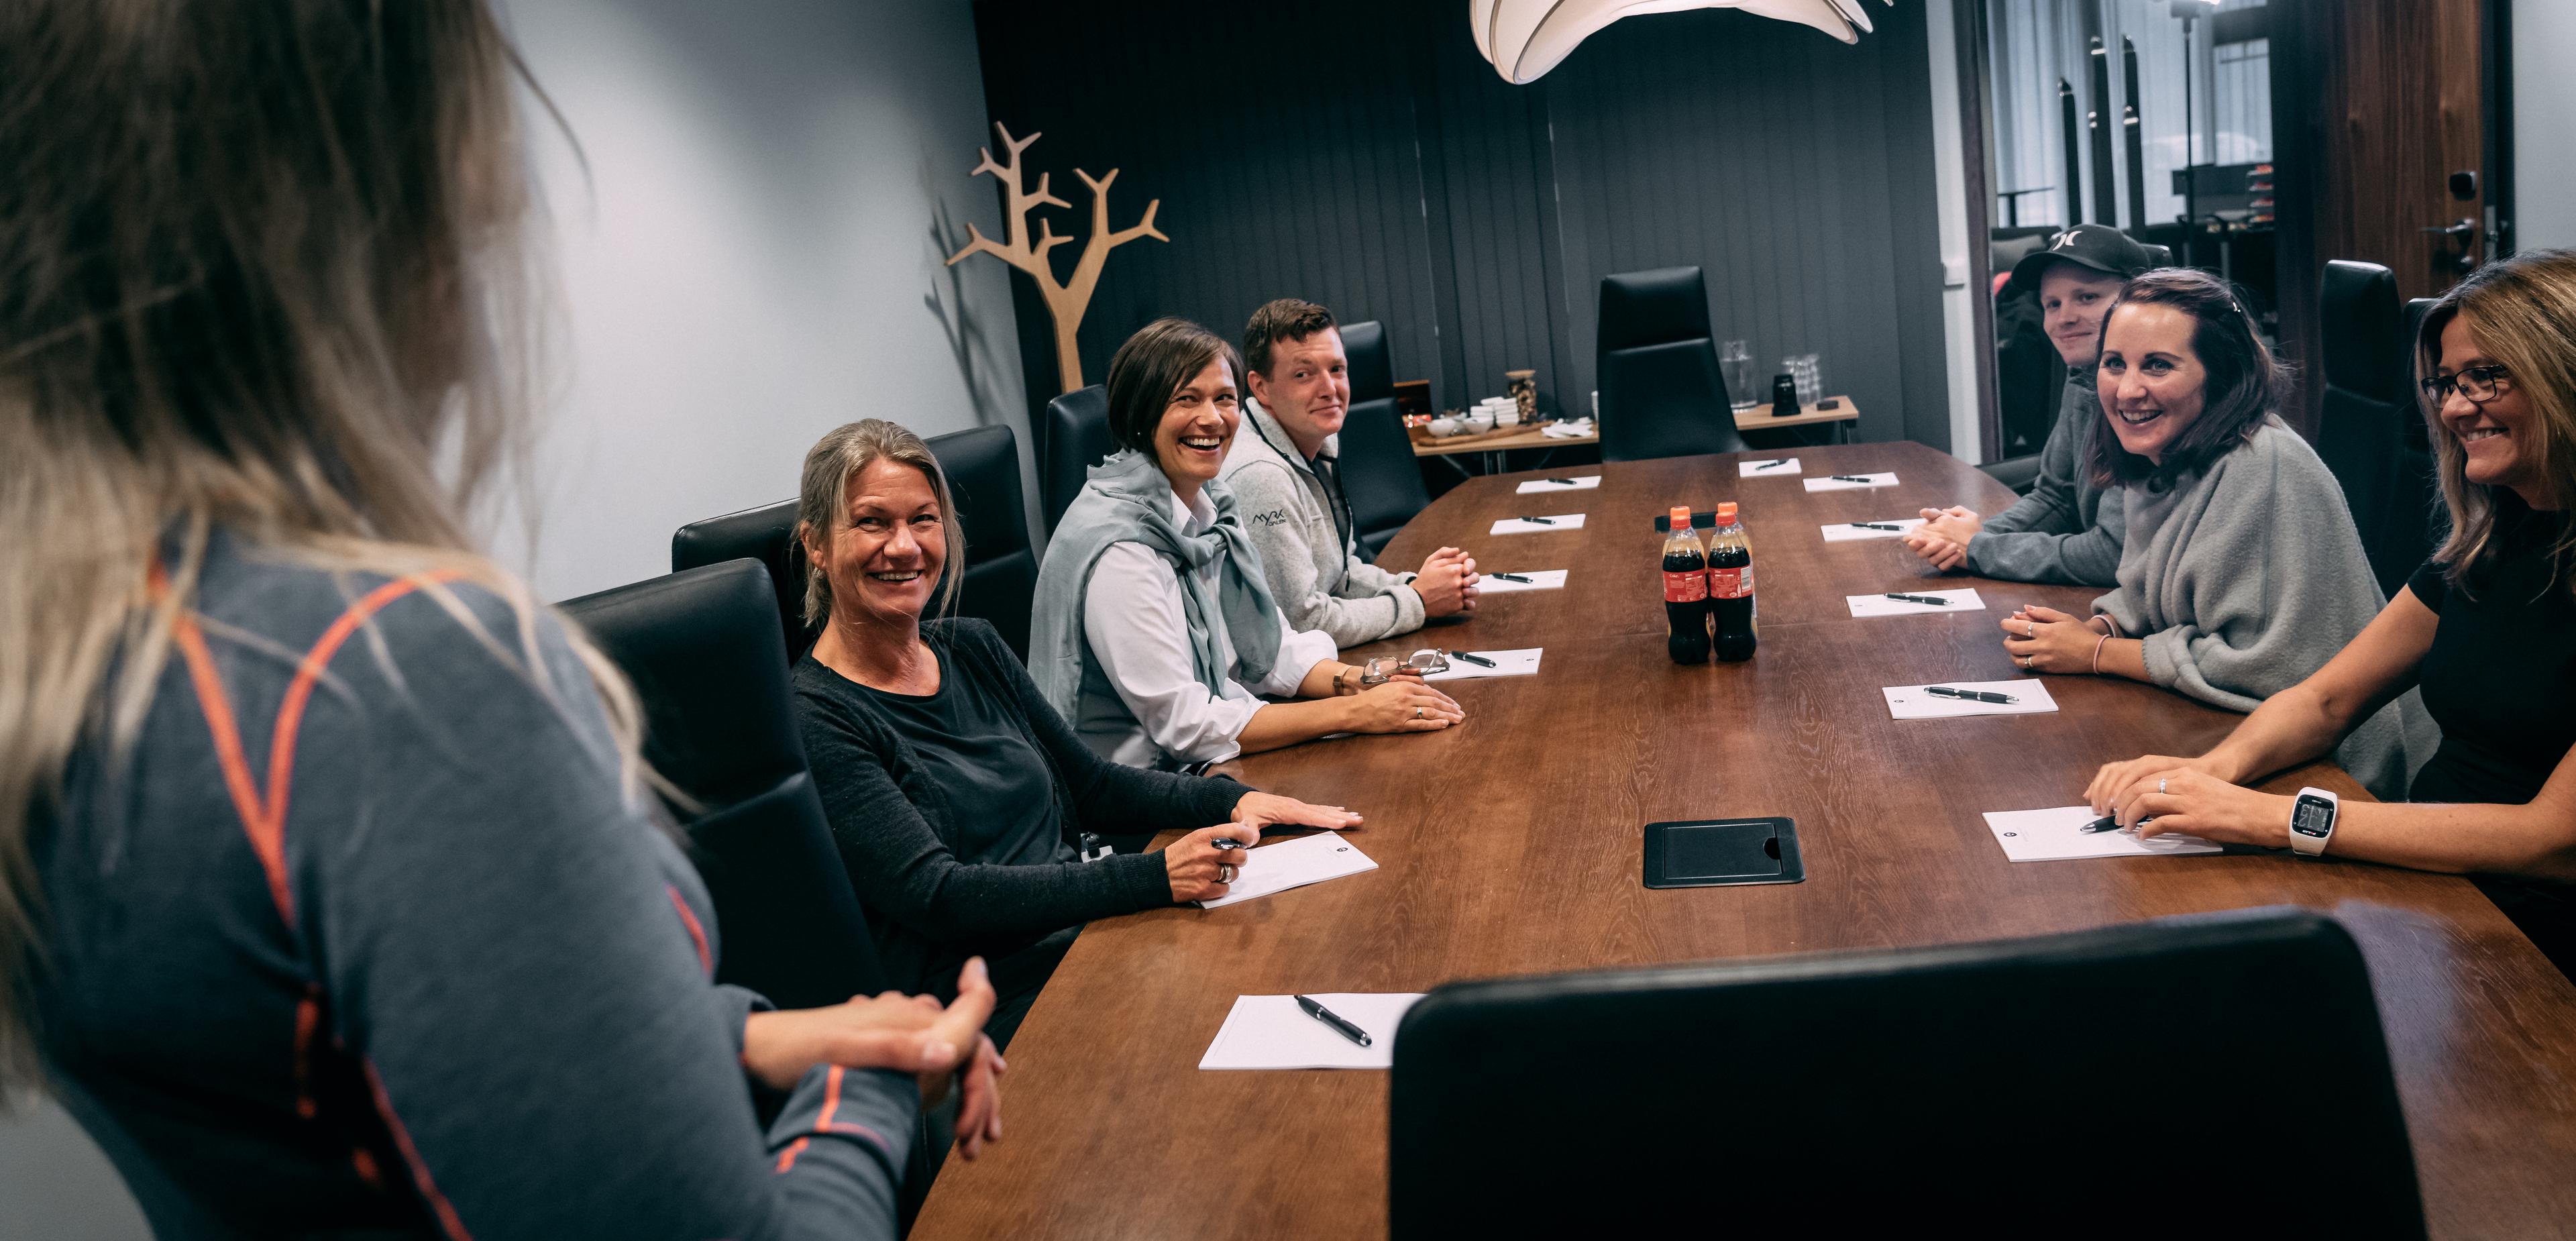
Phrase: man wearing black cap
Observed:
(2066, 529)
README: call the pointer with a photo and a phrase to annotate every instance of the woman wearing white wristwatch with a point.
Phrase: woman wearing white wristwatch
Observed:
(2487, 630)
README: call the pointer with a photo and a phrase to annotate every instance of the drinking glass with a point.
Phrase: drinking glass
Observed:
(1735, 362)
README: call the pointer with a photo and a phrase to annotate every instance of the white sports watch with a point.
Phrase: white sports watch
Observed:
(2312, 821)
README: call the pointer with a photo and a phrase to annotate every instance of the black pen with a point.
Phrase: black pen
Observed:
(1543, 521)
(1472, 658)
(1511, 577)
(1226, 842)
(2108, 823)
(1978, 695)
(1872, 525)
(1561, 482)
(1850, 478)
(1931, 599)
(1770, 465)
(1328, 1017)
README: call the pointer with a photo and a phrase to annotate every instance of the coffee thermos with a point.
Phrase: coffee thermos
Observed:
(1784, 396)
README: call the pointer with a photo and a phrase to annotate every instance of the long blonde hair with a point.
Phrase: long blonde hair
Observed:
(262, 266)
(2522, 310)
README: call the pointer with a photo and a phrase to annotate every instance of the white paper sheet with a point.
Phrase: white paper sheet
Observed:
(1910, 702)
(1562, 521)
(1580, 482)
(1539, 579)
(2055, 836)
(1515, 663)
(1293, 864)
(1573, 430)
(1881, 605)
(1836, 484)
(1271, 1032)
(1845, 532)
(1776, 467)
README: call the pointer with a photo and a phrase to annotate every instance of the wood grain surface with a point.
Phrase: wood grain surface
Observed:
(1511, 845)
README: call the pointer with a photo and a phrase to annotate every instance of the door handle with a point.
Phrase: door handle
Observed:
(2458, 230)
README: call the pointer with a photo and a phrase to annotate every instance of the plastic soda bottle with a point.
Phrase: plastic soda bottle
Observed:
(1685, 591)
(1730, 586)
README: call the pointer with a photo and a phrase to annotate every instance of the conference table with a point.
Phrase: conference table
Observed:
(1511, 845)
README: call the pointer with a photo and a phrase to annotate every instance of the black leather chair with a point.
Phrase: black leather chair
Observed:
(1661, 392)
(1380, 474)
(983, 469)
(768, 535)
(2020, 473)
(1076, 438)
(2071, 1085)
(701, 648)
(2369, 428)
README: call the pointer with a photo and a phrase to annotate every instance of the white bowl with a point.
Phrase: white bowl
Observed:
(1477, 424)
(1444, 427)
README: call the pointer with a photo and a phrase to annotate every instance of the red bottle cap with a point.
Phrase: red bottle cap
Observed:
(1680, 517)
(1726, 512)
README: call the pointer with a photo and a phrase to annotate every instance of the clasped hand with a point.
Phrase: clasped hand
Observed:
(1447, 583)
(915, 1034)
(2047, 640)
(1943, 537)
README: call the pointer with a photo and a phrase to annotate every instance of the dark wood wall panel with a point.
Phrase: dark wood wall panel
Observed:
(1391, 174)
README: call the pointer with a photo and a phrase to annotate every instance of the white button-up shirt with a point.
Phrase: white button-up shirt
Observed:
(1159, 714)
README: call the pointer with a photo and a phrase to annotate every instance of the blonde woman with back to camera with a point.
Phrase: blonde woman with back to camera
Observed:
(330, 899)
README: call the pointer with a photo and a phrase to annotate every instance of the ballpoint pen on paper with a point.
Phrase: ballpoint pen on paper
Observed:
(2109, 823)
(1850, 478)
(1511, 577)
(1931, 599)
(1561, 482)
(1330, 1018)
(1544, 521)
(1977, 695)
(1472, 657)
(1770, 465)
(1871, 525)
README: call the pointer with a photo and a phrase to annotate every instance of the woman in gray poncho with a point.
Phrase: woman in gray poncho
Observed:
(2242, 572)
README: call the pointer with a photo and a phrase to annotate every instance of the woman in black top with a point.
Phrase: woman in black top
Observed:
(953, 790)
(2487, 629)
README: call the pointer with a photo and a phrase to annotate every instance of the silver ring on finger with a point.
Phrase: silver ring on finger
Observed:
(1225, 872)
(2025, 662)
(2160, 784)
(2030, 629)
(1417, 713)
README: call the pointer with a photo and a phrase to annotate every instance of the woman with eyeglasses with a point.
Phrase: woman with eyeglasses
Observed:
(2486, 629)
(2241, 572)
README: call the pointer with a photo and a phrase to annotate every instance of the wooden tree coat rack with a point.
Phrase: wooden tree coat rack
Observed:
(1066, 300)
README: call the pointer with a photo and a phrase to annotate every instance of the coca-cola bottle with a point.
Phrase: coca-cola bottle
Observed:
(1730, 586)
(1685, 591)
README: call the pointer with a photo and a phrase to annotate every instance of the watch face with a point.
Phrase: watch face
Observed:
(2313, 817)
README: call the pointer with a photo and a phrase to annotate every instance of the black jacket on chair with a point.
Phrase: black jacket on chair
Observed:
(1662, 394)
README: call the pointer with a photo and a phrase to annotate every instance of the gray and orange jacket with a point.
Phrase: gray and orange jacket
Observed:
(362, 938)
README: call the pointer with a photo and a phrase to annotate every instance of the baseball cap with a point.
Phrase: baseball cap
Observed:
(2097, 246)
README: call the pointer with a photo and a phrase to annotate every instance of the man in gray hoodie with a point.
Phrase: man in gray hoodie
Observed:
(1285, 470)
(2066, 530)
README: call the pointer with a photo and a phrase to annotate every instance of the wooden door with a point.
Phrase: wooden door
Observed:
(2376, 105)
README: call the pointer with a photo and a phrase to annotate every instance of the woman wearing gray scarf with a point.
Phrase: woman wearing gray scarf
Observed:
(2241, 572)
(1153, 629)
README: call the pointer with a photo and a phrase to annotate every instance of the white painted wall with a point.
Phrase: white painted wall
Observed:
(1960, 341)
(2544, 108)
(756, 258)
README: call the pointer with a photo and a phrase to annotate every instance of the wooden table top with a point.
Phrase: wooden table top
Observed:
(1511, 845)
(1753, 418)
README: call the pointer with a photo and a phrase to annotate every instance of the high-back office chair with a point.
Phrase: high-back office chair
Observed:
(1380, 474)
(2369, 430)
(701, 648)
(983, 469)
(1661, 392)
(1076, 439)
(2071, 1085)
(768, 535)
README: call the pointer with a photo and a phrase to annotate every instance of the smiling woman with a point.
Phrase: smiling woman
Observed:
(1155, 631)
(2240, 570)
(954, 792)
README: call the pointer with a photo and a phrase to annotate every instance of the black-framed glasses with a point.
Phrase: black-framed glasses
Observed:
(2478, 383)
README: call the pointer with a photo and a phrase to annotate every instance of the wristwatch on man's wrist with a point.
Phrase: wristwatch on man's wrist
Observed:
(2312, 821)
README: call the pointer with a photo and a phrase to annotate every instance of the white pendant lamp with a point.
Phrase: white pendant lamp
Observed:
(1526, 38)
